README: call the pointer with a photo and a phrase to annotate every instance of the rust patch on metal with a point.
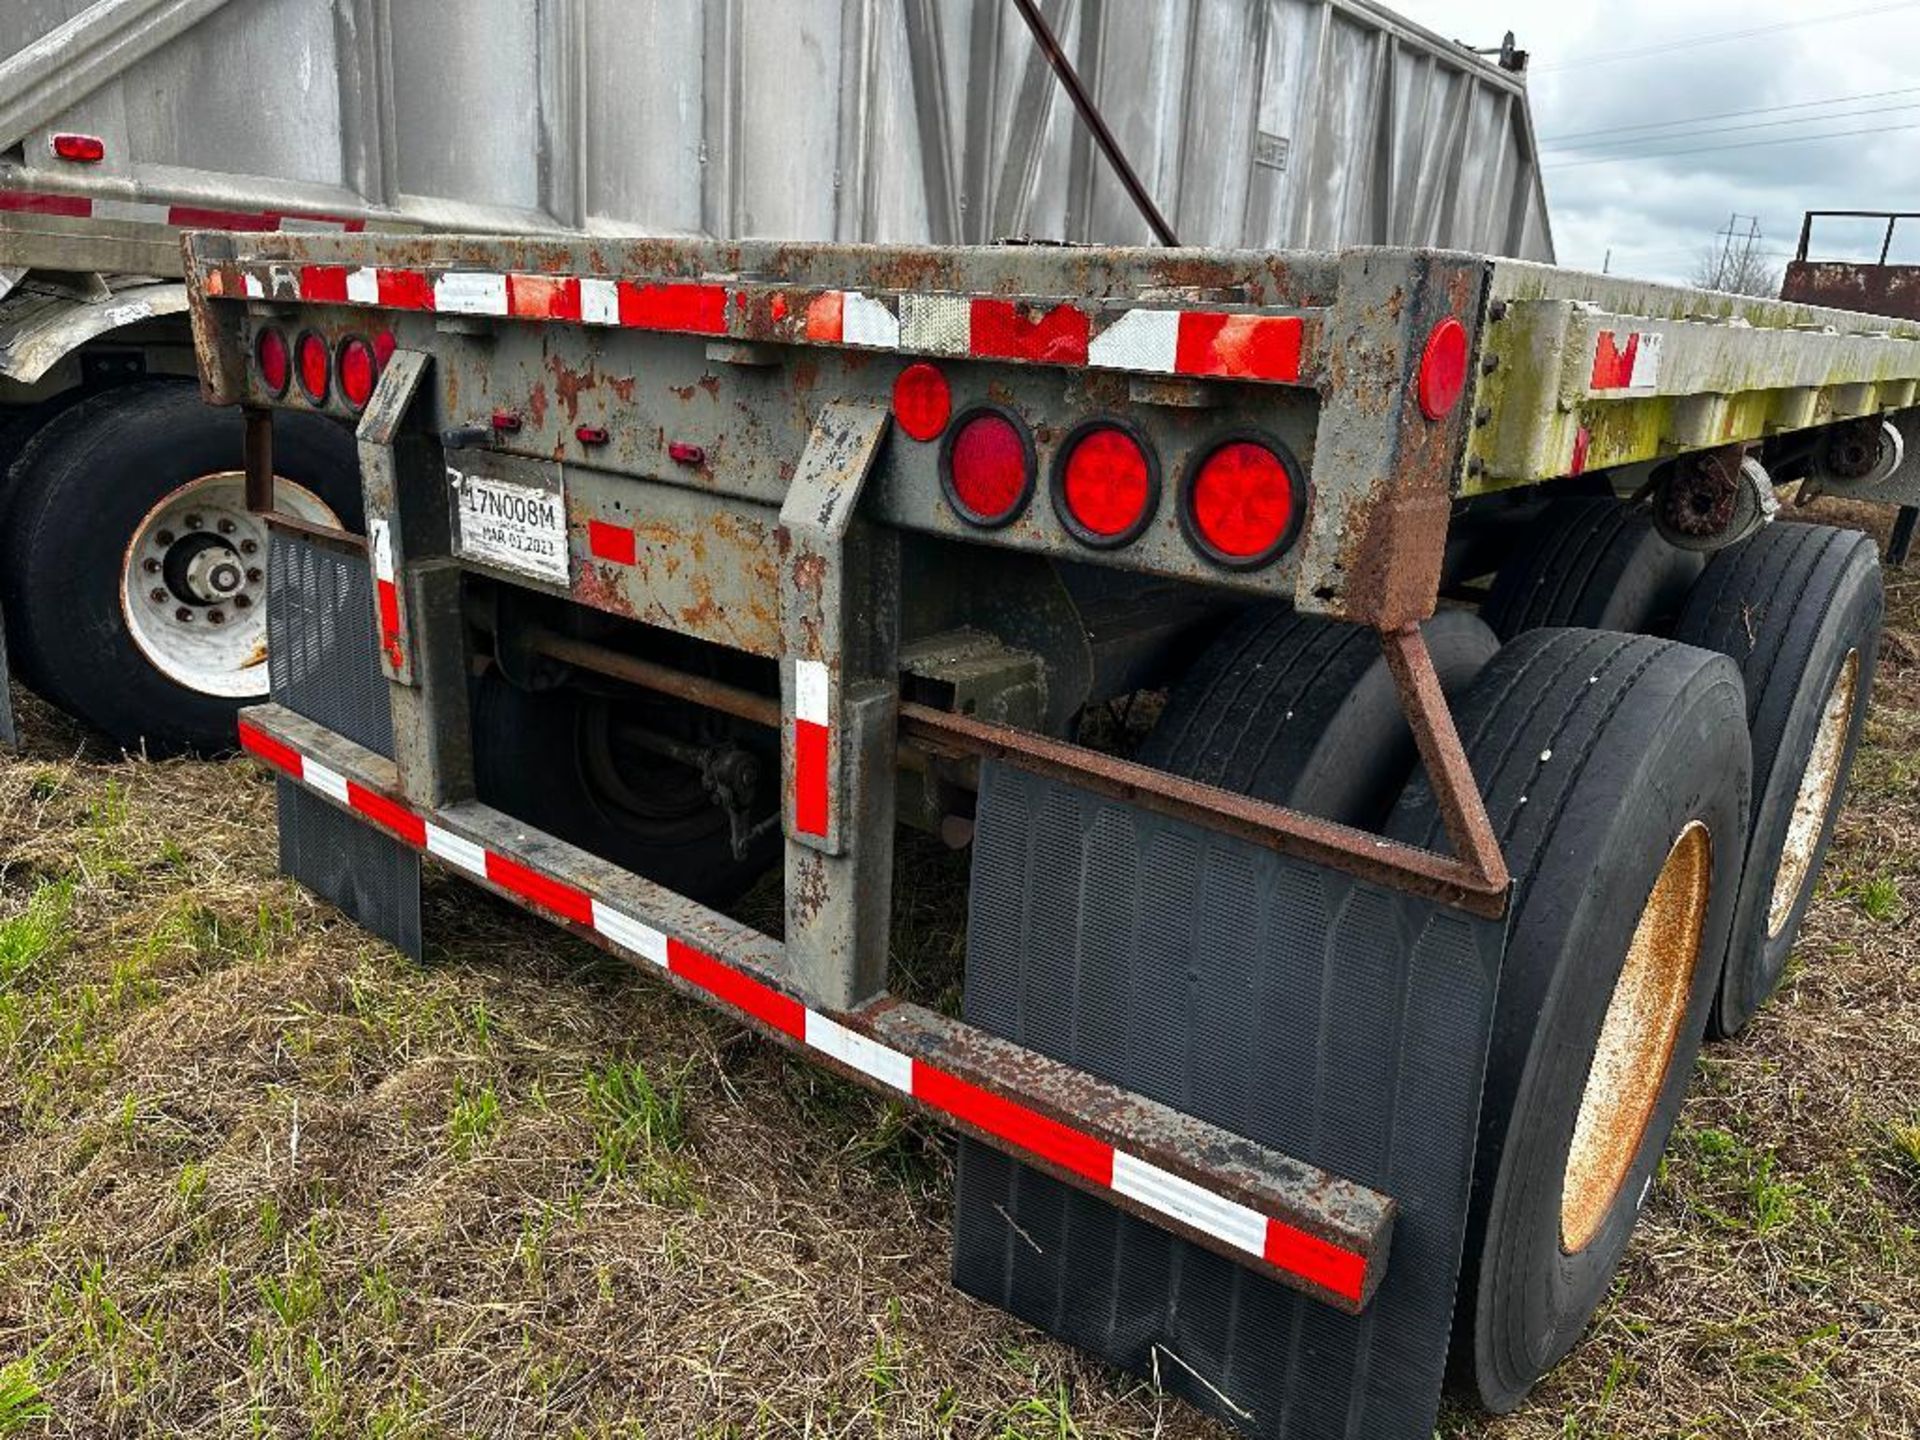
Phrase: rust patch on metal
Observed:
(537, 403)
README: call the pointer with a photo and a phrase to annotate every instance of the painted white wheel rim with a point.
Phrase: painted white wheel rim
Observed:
(193, 583)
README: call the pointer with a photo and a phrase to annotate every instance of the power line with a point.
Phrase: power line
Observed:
(1739, 145)
(1681, 42)
(1734, 129)
(1547, 141)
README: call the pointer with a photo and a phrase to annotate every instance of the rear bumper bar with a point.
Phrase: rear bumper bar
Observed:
(1311, 1230)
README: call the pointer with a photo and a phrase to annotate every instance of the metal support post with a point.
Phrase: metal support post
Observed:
(839, 597)
(416, 585)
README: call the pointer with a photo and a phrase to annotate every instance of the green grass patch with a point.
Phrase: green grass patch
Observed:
(37, 934)
(640, 1128)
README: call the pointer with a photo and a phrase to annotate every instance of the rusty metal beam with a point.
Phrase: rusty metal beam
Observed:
(1462, 809)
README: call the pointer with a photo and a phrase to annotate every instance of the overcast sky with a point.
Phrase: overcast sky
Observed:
(1831, 61)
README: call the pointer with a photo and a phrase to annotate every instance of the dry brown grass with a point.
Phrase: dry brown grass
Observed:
(260, 1175)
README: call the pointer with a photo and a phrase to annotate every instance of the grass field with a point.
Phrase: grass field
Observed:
(259, 1175)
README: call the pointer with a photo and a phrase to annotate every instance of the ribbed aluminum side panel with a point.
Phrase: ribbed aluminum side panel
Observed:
(1329, 1019)
(1282, 124)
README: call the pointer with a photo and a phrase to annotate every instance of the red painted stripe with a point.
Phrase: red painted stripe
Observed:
(1613, 362)
(324, 283)
(281, 757)
(543, 297)
(1029, 1129)
(555, 895)
(1314, 1259)
(192, 217)
(1251, 347)
(826, 317)
(1002, 330)
(740, 991)
(1582, 444)
(382, 811)
(699, 309)
(611, 542)
(810, 789)
(405, 289)
(389, 598)
(45, 204)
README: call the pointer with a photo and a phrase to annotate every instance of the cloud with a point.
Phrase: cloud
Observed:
(1634, 195)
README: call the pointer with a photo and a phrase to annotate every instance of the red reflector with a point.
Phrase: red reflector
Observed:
(1241, 509)
(683, 452)
(315, 366)
(591, 434)
(1106, 487)
(507, 421)
(275, 361)
(988, 469)
(1443, 368)
(383, 347)
(922, 403)
(86, 149)
(358, 371)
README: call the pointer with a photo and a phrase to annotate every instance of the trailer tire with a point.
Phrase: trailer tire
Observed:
(1615, 771)
(1302, 711)
(1591, 561)
(687, 848)
(84, 490)
(1798, 608)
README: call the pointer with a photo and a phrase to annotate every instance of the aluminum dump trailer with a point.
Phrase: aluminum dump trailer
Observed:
(1251, 123)
(1328, 1029)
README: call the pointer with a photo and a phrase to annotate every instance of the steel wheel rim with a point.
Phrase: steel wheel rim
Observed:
(1645, 1019)
(1818, 782)
(194, 595)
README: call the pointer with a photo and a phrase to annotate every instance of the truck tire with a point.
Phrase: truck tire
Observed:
(667, 829)
(1798, 608)
(1595, 562)
(1615, 769)
(111, 594)
(1302, 711)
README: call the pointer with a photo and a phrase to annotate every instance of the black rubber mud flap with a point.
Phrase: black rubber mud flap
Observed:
(1329, 1018)
(9, 733)
(324, 664)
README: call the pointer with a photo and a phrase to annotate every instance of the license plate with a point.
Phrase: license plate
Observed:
(517, 527)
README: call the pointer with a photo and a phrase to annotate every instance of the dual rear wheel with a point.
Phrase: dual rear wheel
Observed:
(1663, 801)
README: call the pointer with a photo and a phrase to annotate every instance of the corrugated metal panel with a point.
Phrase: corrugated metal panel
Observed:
(1255, 123)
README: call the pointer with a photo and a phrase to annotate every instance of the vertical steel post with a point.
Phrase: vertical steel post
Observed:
(839, 601)
(416, 585)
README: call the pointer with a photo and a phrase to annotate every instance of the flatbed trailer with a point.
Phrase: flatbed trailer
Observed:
(1328, 1032)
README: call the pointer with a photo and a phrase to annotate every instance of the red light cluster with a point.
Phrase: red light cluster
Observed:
(1240, 500)
(349, 370)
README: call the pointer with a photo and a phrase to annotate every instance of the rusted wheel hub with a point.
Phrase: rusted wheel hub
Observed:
(1643, 1025)
(1815, 797)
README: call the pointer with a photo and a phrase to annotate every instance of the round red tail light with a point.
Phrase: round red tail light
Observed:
(270, 353)
(1242, 503)
(1106, 484)
(922, 403)
(315, 366)
(1443, 368)
(986, 467)
(359, 370)
(383, 347)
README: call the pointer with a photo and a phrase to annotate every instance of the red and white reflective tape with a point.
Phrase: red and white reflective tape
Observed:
(386, 590)
(1320, 1262)
(183, 217)
(978, 327)
(1626, 360)
(1202, 343)
(812, 744)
